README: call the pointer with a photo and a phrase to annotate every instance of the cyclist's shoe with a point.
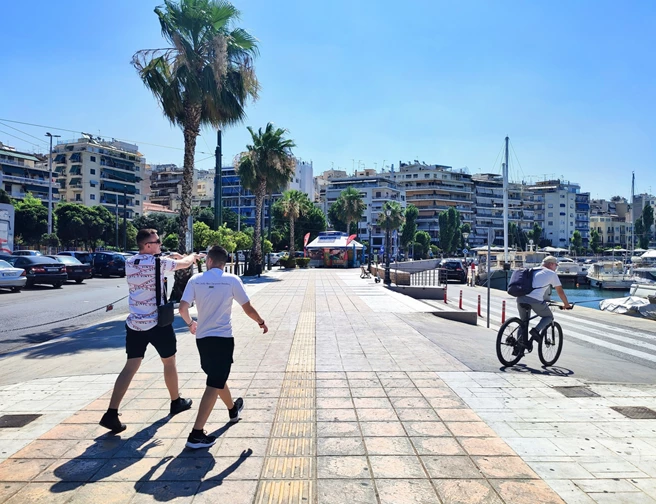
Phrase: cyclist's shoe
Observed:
(535, 336)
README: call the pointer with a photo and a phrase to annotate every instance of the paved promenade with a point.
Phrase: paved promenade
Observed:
(350, 398)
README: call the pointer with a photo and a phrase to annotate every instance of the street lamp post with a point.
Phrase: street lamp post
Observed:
(388, 280)
(50, 182)
(370, 248)
(465, 236)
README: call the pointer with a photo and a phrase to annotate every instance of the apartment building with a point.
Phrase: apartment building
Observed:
(322, 181)
(375, 189)
(93, 171)
(488, 208)
(22, 173)
(166, 185)
(434, 189)
(613, 229)
(555, 208)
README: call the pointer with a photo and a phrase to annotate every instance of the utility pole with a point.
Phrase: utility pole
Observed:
(269, 233)
(218, 184)
(117, 245)
(50, 182)
(125, 221)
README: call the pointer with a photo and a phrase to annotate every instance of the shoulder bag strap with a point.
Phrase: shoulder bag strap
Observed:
(158, 283)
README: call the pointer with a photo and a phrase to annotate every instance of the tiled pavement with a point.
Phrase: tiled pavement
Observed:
(344, 403)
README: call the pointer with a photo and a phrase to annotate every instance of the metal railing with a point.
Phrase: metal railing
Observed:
(430, 278)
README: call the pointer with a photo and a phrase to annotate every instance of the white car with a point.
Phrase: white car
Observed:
(12, 278)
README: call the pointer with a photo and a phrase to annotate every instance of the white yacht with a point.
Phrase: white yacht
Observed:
(568, 267)
(609, 275)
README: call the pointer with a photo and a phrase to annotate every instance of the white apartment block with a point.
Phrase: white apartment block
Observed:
(322, 181)
(375, 189)
(166, 186)
(555, 208)
(22, 173)
(92, 171)
(488, 208)
(434, 189)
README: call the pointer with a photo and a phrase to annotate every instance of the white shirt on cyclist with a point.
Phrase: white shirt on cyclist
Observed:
(544, 280)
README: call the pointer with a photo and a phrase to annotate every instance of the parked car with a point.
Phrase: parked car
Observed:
(12, 278)
(455, 270)
(74, 268)
(109, 263)
(26, 253)
(83, 257)
(41, 270)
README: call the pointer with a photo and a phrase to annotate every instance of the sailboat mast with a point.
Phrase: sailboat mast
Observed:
(505, 206)
(632, 245)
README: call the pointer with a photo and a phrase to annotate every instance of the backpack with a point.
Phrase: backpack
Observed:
(521, 282)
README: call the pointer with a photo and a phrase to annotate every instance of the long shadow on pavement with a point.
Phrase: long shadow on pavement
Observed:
(545, 371)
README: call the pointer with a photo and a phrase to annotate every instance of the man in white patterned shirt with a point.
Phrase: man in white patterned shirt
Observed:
(141, 324)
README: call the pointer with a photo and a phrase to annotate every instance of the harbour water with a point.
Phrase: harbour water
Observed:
(589, 296)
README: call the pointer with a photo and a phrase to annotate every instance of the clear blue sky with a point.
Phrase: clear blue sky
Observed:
(571, 83)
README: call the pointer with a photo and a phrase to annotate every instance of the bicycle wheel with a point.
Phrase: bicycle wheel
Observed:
(551, 344)
(507, 339)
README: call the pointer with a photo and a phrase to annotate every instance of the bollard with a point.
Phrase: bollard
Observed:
(479, 305)
(460, 303)
(503, 312)
(445, 294)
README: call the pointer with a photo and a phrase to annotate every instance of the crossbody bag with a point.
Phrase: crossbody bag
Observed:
(165, 313)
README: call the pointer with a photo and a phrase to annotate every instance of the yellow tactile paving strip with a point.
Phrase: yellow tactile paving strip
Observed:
(289, 472)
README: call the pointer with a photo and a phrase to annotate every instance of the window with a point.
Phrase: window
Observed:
(93, 159)
(562, 195)
(550, 223)
(415, 175)
(427, 175)
(78, 197)
(550, 205)
(8, 188)
(136, 203)
(92, 196)
(571, 215)
(571, 224)
(563, 205)
(550, 214)
(377, 194)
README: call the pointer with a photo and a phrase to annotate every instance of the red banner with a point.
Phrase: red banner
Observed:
(350, 239)
(306, 240)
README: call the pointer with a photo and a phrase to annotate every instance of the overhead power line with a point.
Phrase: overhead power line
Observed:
(79, 132)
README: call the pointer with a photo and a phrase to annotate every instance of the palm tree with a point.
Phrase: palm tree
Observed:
(352, 206)
(294, 204)
(395, 220)
(266, 167)
(204, 78)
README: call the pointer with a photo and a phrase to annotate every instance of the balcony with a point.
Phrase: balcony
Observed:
(25, 180)
(117, 163)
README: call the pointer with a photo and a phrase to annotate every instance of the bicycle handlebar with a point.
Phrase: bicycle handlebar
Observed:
(560, 306)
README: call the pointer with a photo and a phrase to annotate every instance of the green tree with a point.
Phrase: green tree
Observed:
(449, 221)
(394, 221)
(131, 236)
(204, 214)
(639, 232)
(422, 244)
(171, 241)
(595, 240)
(516, 236)
(336, 217)
(50, 240)
(577, 242)
(313, 222)
(647, 222)
(201, 235)
(30, 219)
(352, 206)
(4, 197)
(163, 223)
(204, 78)
(294, 203)
(409, 227)
(230, 218)
(536, 234)
(266, 167)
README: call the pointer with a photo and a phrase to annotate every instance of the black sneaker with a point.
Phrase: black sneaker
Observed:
(180, 405)
(110, 421)
(202, 440)
(236, 409)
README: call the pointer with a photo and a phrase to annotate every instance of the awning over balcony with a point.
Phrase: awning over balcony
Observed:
(60, 158)
(117, 175)
(75, 170)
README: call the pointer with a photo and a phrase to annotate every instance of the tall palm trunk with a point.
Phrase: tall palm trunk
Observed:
(291, 237)
(191, 131)
(256, 256)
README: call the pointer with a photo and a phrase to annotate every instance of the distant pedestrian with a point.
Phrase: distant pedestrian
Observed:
(213, 292)
(472, 274)
(141, 324)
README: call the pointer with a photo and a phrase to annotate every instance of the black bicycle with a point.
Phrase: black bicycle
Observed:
(512, 340)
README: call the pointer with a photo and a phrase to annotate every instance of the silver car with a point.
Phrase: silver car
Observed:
(12, 278)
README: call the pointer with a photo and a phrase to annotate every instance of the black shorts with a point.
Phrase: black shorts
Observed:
(216, 359)
(162, 338)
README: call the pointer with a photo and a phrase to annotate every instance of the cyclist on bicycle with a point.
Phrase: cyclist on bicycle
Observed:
(544, 279)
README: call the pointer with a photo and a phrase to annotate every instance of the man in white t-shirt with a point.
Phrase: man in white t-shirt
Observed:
(213, 292)
(544, 279)
(141, 325)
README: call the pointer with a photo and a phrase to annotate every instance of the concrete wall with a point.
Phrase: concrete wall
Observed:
(397, 277)
(415, 266)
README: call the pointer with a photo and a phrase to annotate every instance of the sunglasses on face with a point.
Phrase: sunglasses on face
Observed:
(158, 242)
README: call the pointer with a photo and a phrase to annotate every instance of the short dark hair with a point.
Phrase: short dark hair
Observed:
(218, 254)
(144, 235)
